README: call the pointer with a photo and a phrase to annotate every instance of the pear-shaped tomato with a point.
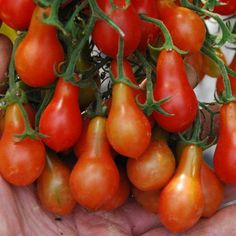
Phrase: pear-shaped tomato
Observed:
(181, 202)
(39, 53)
(22, 162)
(172, 83)
(61, 120)
(95, 178)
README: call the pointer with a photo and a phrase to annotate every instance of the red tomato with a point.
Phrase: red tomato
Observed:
(61, 120)
(185, 26)
(181, 202)
(95, 178)
(224, 156)
(17, 13)
(22, 162)
(213, 191)
(227, 9)
(121, 194)
(106, 38)
(149, 30)
(53, 187)
(153, 169)
(147, 199)
(172, 82)
(39, 52)
(128, 129)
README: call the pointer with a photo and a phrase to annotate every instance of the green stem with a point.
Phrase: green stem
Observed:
(115, 7)
(228, 92)
(168, 44)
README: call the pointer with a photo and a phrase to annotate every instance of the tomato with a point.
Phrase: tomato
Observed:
(220, 82)
(149, 30)
(121, 195)
(17, 13)
(224, 156)
(181, 202)
(172, 82)
(22, 162)
(154, 168)
(95, 178)
(61, 120)
(186, 27)
(106, 38)
(39, 52)
(227, 9)
(196, 61)
(147, 199)
(213, 191)
(128, 129)
(53, 187)
(210, 67)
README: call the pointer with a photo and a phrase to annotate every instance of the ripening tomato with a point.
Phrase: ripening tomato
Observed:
(53, 186)
(149, 30)
(39, 52)
(95, 178)
(210, 67)
(128, 129)
(172, 82)
(213, 190)
(187, 29)
(154, 168)
(106, 38)
(61, 120)
(121, 195)
(181, 202)
(227, 9)
(147, 199)
(224, 156)
(22, 162)
(17, 13)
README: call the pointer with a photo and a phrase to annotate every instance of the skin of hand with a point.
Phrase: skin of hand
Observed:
(22, 215)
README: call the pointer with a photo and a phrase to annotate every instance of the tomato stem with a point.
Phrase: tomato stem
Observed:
(168, 44)
(115, 7)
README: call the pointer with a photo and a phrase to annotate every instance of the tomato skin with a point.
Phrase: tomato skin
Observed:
(95, 178)
(17, 13)
(149, 30)
(172, 82)
(128, 129)
(224, 156)
(181, 201)
(21, 162)
(62, 114)
(227, 9)
(153, 169)
(147, 199)
(106, 38)
(213, 191)
(185, 26)
(53, 187)
(121, 194)
(38, 52)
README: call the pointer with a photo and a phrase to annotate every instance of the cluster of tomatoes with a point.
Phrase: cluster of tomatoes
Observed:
(121, 149)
